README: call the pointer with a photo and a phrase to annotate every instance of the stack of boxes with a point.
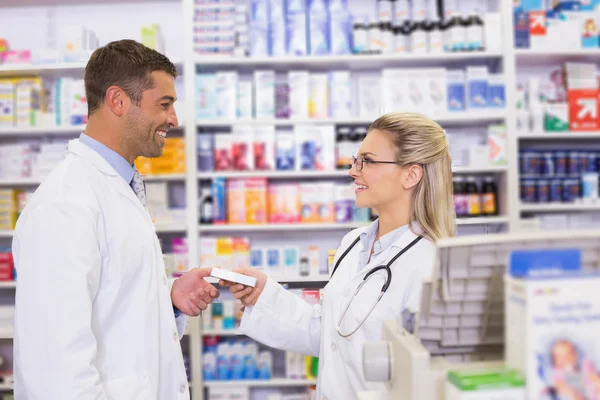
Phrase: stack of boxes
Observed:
(568, 100)
(172, 160)
(7, 266)
(565, 24)
(12, 202)
(214, 27)
(20, 102)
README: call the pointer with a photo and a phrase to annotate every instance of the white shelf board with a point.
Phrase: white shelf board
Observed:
(222, 332)
(7, 334)
(560, 135)
(5, 233)
(325, 174)
(170, 228)
(8, 284)
(374, 60)
(42, 131)
(276, 382)
(273, 174)
(6, 387)
(278, 227)
(164, 177)
(302, 279)
(19, 182)
(559, 207)
(531, 57)
(29, 69)
(325, 226)
(468, 118)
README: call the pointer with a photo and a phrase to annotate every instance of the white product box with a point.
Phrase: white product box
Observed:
(340, 94)
(299, 87)
(233, 277)
(318, 104)
(206, 96)
(417, 90)
(244, 100)
(369, 95)
(552, 331)
(437, 92)
(264, 94)
(325, 154)
(396, 90)
(227, 84)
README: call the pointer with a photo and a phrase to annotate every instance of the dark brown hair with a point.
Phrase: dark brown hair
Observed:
(126, 64)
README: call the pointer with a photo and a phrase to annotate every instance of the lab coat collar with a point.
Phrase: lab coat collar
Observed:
(383, 258)
(78, 148)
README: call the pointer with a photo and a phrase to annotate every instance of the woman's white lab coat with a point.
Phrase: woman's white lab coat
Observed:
(94, 318)
(282, 320)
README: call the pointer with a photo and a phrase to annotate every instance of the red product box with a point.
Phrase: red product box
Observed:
(312, 297)
(537, 23)
(6, 267)
(583, 109)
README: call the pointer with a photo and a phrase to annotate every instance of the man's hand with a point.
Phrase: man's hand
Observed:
(191, 293)
(247, 294)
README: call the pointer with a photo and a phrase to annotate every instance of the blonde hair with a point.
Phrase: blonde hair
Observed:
(421, 141)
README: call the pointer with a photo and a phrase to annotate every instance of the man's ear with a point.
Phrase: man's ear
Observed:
(413, 175)
(117, 100)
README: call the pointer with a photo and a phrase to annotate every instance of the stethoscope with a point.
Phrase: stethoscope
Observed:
(385, 287)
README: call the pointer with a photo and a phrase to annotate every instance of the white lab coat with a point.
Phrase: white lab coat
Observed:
(282, 320)
(94, 318)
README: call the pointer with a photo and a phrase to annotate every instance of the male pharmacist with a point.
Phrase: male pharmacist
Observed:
(96, 316)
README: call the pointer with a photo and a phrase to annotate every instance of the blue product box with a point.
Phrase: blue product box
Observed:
(477, 87)
(318, 33)
(296, 33)
(589, 5)
(456, 91)
(277, 18)
(590, 35)
(530, 5)
(521, 22)
(566, 5)
(547, 262)
(219, 212)
(497, 94)
(206, 96)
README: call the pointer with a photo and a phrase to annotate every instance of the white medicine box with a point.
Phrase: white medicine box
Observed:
(553, 335)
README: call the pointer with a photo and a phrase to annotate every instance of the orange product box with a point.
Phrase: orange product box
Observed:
(537, 23)
(236, 201)
(284, 203)
(142, 164)
(256, 200)
(583, 109)
(309, 199)
(241, 252)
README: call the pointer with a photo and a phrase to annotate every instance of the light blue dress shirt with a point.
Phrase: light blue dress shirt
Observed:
(367, 241)
(120, 164)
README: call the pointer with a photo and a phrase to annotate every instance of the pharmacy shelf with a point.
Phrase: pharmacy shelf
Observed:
(274, 174)
(8, 284)
(560, 135)
(480, 170)
(6, 387)
(7, 335)
(531, 57)
(222, 332)
(326, 174)
(19, 182)
(276, 382)
(6, 233)
(303, 279)
(482, 221)
(42, 131)
(559, 207)
(351, 61)
(473, 117)
(35, 69)
(205, 228)
(170, 228)
(162, 178)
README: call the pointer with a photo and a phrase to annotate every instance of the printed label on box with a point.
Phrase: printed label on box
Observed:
(583, 109)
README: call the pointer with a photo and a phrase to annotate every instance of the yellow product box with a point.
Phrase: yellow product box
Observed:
(256, 200)
(236, 201)
(7, 102)
(224, 252)
(29, 98)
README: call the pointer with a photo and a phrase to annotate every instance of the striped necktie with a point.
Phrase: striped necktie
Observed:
(137, 184)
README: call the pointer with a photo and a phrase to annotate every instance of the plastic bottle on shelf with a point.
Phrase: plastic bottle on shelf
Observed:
(489, 196)
(385, 11)
(474, 197)
(462, 29)
(387, 38)
(265, 365)
(474, 32)
(360, 37)
(304, 266)
(374, 34)
(344, 147)
(461, 201)
(206, 205)
(418, 38)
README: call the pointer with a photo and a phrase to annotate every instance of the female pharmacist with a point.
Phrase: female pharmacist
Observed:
(403, 171)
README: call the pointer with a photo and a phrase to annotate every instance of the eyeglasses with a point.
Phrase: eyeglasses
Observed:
(361, 161)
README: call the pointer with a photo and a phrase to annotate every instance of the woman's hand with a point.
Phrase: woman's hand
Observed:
(247, 294)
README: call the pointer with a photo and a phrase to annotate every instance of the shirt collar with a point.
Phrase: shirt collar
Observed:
(367, 238)
(115, 160)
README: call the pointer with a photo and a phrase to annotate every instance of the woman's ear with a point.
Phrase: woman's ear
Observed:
(414, 174)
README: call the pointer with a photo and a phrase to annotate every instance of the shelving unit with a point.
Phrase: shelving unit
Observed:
(42, 131)
(276, 382)
(559, 207)
(458, 118)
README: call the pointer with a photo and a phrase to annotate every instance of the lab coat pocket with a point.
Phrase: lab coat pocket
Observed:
(132, 387)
